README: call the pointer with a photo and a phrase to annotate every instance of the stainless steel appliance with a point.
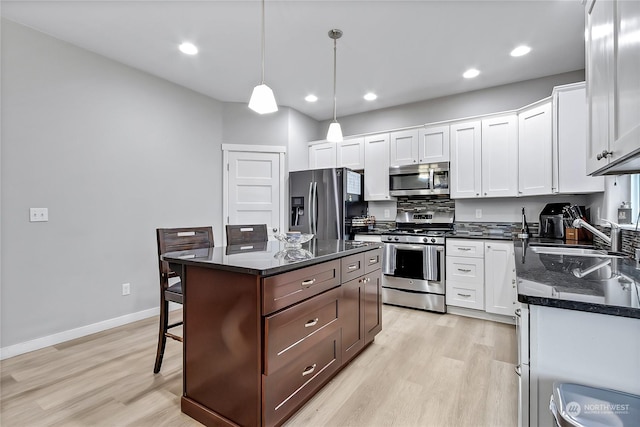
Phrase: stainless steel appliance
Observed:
(322, 200)
(419, 180)
(413, 271)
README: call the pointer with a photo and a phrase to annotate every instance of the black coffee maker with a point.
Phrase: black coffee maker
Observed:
(551, 221)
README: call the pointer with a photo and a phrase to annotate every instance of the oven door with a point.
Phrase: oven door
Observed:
(420, 262)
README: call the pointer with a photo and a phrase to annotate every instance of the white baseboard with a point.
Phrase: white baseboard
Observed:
(479, 314)
(38, 343)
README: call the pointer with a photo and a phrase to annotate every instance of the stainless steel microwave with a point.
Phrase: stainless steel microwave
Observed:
(419, 180)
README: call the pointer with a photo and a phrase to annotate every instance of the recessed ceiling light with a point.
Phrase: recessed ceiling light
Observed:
(188, 48)
(520, 50)
(311, 98)
(471, 73)
(371, 96)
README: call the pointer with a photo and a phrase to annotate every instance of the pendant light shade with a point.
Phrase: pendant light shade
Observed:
(262, 100)
(335, 131)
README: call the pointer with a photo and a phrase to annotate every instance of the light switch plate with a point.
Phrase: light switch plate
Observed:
(38, 214)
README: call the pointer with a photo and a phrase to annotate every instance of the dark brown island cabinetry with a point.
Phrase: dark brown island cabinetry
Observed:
(260, 339)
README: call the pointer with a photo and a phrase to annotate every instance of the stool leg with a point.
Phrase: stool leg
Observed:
(162, 337)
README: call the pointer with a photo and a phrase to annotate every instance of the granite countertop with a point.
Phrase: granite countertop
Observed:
(481, 236)
(269, 258)
(576, 282)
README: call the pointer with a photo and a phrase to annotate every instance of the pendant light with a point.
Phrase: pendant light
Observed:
(335, 132)
(262, 100)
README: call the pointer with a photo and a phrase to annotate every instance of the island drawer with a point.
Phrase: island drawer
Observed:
(289, 288)
(465, 247)
(352, 266)
(292, 385)
(288, 333)
(372, 260)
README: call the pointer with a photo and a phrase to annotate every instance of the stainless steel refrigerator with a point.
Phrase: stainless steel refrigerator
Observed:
(322, 200)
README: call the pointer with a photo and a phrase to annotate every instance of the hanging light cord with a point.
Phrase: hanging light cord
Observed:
(262, 82)
(335, 42)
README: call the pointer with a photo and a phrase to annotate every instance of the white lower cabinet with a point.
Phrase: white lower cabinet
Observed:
(501, 294)
(480, 274)
(465, 273)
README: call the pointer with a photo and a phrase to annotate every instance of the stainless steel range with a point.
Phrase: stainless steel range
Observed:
(413, 272)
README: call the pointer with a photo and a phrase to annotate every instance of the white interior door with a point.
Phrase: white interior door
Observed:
(254, 186)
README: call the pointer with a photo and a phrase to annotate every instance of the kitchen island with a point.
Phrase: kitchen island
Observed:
(266, 326)
(579, 323)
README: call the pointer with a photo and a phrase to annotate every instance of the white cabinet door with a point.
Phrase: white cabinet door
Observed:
(500, 156)
(500, 278)
(535, 147)
(627, 80)
(403, 147)
(433, 144)
(599, 72)
(570, 142)
(376, 167)
(350, 153)
(466, 160)
(322, 155)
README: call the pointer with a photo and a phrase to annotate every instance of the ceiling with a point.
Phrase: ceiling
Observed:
(404, 51)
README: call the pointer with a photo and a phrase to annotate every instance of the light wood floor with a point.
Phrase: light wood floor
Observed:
(424, 369)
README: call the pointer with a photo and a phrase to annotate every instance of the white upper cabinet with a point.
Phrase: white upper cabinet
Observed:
(403, 147)
(350, 153)
(376, 167)
(570, 142)
(613, 86)
(466, 160)
(535, 146)
(433, 144)
(322, 155)
(500, 156)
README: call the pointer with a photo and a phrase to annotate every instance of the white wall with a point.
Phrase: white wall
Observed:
(484, 101)
(113, 153)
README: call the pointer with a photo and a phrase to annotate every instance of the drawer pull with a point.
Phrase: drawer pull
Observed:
(311, 323)
(308, 283)
(464, 295)
(464, 249)
(373, 260)
(464, 270)
(352, 267)
(309, 370)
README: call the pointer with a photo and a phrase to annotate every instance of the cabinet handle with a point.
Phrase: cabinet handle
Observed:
(311, 323)
(309, 370)
(518, 311)
(308, 283)
(604, 154)
(477, 194)
(485, 194)
(373, 260)
(352, 267)
(464, 270)
(464, 249)
(517, 369)
(464, 295)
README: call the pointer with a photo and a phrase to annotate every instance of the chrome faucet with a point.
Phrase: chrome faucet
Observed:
(615, 241)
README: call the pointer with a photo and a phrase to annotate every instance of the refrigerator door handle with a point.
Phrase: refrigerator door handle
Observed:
(310, 210)
(315, 208)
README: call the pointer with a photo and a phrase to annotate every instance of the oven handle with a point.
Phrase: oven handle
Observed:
(442, 264)
(406, 246)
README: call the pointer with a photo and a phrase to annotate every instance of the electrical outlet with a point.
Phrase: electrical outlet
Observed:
(387, 213)
(38, 214)
(126, 288)
(478, 213)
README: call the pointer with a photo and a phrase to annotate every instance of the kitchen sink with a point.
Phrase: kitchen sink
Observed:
(573, 251)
